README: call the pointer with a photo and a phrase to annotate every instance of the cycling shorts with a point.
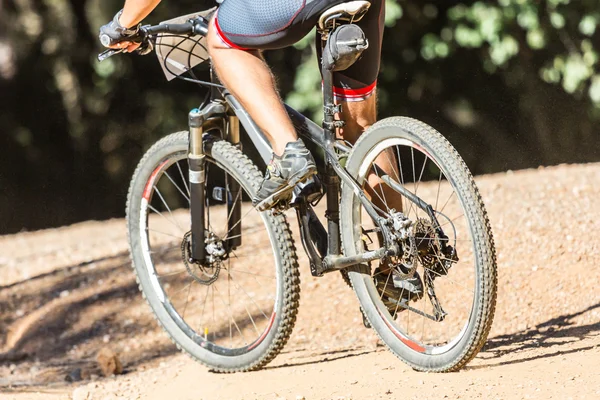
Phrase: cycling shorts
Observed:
(274, 24)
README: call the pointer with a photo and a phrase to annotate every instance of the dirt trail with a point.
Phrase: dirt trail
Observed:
(66, 293)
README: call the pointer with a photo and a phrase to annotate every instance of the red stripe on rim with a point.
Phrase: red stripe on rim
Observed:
(264, 334)
(150, 183)
(402, 338)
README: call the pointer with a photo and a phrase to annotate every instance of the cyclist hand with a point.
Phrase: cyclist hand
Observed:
(128, 46)
(113, 35)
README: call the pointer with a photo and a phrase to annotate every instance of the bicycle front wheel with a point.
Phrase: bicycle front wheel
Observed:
(439, 310)
(236, 312)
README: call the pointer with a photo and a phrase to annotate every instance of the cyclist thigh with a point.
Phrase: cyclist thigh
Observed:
(358, 82)
(268, 24)
(273, 24)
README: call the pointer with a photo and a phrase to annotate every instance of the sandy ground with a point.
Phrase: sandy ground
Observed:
(67, 293)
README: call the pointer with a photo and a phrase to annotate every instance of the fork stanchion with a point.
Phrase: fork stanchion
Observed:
(197, 181)
(234, 198)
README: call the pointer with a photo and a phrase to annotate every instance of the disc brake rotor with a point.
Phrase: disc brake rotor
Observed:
(203, 274)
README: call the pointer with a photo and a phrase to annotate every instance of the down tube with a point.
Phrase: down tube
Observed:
(311, 133)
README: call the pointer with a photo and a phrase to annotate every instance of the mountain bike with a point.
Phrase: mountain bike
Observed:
(222, 278)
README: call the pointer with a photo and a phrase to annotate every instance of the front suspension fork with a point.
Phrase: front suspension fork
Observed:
(197, 181)
(234, 193)
(198, 119)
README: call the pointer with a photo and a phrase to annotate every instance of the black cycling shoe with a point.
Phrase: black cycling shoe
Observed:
(397, 292)
(295, 165)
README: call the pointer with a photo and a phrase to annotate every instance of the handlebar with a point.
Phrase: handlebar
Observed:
(194, 26)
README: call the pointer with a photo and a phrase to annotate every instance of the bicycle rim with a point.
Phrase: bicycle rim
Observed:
(414, 325)
(227, 308)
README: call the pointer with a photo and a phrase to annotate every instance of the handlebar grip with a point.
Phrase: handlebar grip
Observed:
(107, 41)
(182, 29)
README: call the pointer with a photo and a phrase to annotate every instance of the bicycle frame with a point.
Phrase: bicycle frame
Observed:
(224, 113)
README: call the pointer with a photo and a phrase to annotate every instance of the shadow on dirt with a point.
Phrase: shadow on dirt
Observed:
(58, 321)
(323, 357)
(553, 334)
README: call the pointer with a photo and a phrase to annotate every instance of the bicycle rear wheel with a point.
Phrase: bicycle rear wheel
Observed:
(443, 326)
(237, 312)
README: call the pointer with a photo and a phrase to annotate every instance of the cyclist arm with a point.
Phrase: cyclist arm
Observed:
(134, 11)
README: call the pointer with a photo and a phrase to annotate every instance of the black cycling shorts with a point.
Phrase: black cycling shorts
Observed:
(273, 24)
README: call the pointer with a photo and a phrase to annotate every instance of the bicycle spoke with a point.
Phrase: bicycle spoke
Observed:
(177, 187)
(251, 299)
(203, 331)
(167, 206)
(162, 215)
(400, 170)
(451, 220)
(253, 274)
(381, 189)
(412, 157)
(437, 197)
(237, 196)
(447, 201)
(241, 218)
(402, 200)
(447, 279)
(420, 177)
(182, 289)
(187, 298)
(187, 189)
(236, 269)
(164, 233)
(231, 319)
(170, 274)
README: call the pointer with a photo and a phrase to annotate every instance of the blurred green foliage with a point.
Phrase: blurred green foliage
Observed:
(560, 31)
(511, 83)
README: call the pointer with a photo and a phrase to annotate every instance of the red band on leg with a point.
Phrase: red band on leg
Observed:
(354, 94)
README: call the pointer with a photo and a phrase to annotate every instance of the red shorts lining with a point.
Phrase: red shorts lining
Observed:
(222, 36)
(354, 94)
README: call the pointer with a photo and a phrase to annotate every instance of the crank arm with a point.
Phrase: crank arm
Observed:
(335, 262)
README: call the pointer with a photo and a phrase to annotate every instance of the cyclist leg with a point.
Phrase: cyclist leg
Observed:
(249, 79)
(239, 29)
(355, 89)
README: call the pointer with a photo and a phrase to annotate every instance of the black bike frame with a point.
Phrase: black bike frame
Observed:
(224, 113)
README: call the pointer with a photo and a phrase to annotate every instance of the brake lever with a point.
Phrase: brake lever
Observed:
(108, 53)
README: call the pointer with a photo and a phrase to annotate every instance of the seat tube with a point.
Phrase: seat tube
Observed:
(332, 185)
(197, 180)
(234, 193)
(331, 180)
